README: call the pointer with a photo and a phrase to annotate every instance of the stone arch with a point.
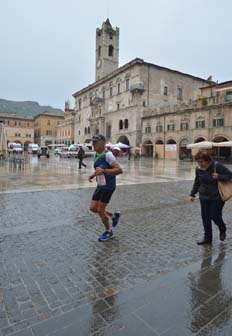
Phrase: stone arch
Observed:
(184, 152)
(148, 148)
(221, 153)
(159, 142)
(26, 144)
(199, 139)
(123, 139)
(171, 142)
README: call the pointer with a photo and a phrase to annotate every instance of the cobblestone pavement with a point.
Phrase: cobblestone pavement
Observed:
(151, 279)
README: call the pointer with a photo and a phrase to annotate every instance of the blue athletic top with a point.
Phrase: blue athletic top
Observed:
(104, 160)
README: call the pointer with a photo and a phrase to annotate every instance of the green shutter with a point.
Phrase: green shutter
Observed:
(214, 122)
(203, 123)
(196, 124)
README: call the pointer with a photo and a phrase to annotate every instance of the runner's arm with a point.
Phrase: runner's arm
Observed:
(114, 170)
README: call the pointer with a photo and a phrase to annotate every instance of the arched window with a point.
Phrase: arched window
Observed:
(86, 130)
(89, 130)
(99, 50)
(111, 50)
(120, 124)
(126, 123)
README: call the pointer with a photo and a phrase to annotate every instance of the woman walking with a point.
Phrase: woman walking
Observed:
(208, 173)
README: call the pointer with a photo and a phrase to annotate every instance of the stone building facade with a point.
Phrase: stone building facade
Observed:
(16, 129)
(46, 128)
(116, 102)
(166, 132)
(65, 130)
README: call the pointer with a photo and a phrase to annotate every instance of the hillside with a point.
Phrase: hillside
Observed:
(26, 108)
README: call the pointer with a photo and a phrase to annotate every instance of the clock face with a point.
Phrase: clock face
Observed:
(99, 63)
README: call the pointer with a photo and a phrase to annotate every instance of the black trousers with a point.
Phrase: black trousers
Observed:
(81, 163)
(212, 210)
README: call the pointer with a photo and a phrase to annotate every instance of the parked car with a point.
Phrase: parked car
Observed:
(58, 150)
(32, 148)
(14, 147)
(43, 151)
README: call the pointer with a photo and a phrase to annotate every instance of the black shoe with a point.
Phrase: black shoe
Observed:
(222, 236)
(204, 242)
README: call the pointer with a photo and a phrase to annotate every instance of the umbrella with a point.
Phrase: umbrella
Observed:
(202, 144)
(223, 144)
(121, 145)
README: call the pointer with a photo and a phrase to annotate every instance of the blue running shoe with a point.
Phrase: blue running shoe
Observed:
(106, 236)
(115, 218)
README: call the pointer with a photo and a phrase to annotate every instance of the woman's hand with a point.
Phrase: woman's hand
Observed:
(215, 176)
(191, 199)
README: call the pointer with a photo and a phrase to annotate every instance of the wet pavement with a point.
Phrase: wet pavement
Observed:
(151, 279)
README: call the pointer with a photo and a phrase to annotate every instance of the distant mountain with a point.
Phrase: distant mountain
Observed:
(26, 108)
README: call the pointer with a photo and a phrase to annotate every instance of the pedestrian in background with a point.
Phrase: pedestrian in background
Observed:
(80, 156)
(208, 173)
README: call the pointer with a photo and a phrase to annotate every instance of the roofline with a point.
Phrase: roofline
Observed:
(136, 61)
(217, 84)
(15, 116)
(48, 115)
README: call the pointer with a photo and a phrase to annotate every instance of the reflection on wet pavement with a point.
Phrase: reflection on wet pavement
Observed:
(56, 279)
(56, 173)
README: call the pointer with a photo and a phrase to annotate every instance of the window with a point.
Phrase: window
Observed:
(111, 91)
(79, 102)
(144, 103)
(111, 36)
(184, 125)
(99, 51)
(159, 128)
(86, 130)
(126, 123)
(127, 84)
(111, 50)
(219, 122)
(228, 96)
(148, 129)
(171, 127)
(28, 124)
(108, 131)
(17, 123)
(49, 132)
(165, 90)
(90, 100)
(119, 88)
(120, 124)
(89, 130)
(118, 106)
(179, 93)
(200, 124)
(49, 122)
(103, 94)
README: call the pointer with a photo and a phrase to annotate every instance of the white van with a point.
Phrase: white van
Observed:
(14, 147)
(33, 149)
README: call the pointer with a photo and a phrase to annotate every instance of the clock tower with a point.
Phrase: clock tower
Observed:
(107, 49)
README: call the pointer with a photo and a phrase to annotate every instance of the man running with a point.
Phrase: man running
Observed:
(106, 168)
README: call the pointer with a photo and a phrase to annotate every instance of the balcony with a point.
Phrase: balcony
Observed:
(137, 87)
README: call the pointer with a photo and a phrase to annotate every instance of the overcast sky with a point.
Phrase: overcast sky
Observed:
(47, 47)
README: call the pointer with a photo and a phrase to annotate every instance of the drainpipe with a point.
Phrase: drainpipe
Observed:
(164, 136)
(148, 86)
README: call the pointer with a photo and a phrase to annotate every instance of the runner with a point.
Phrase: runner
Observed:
(106, 168)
